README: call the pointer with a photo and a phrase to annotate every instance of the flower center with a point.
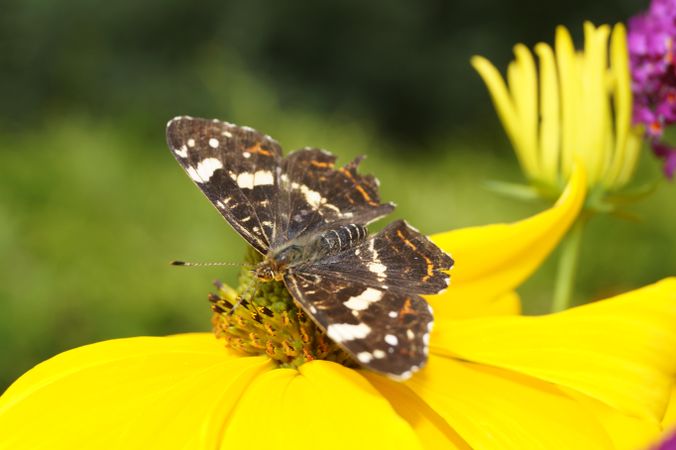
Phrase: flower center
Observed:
(261, 318)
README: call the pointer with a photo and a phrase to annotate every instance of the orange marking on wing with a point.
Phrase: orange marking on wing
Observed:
(346, 172)
(365, 194)
(257, 149)
(406, 241)
(361, 190)
(321, 164)
(430, 268)
(428, 261)
(406, 309)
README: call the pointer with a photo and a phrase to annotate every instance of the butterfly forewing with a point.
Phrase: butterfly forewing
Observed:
(236, 167)
(315, 195)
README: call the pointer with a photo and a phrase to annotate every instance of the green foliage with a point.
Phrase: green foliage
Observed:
(400, 64)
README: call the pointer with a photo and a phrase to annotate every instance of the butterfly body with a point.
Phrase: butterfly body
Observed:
(308, 220)
(311, 248)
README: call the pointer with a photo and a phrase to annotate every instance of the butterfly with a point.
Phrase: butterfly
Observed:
(308, 218)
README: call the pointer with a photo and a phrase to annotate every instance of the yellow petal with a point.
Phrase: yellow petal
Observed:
(495, 409)
(626, 432)
(632, 152)
(550, 128)
(571, 103)
(669, 421)
(494, 259)
(624, 157)
(523, 85)
(504, 305)
(506, 108)
(620, 351)
(432, 430)
(596, 110)
(135, 393)
(324, 405)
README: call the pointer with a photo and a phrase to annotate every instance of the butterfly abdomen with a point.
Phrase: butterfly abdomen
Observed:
(341, 238)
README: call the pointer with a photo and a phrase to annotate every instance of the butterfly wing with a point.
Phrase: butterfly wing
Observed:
(237, 168)
(315, 195)
(367, 298)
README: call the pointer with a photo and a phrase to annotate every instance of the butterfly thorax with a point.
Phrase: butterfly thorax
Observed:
(310, 248)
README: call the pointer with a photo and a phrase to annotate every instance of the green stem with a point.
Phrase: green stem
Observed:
(565, 274)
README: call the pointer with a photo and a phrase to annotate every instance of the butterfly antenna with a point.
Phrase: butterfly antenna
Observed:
(208, 264)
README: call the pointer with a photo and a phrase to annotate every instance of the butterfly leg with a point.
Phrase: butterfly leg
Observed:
(241, 299)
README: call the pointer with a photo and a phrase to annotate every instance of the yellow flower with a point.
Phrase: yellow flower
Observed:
(579, 109)
(669, 421)
(498, 381)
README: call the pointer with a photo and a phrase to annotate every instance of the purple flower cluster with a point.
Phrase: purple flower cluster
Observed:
(652, 56)
(668, 444)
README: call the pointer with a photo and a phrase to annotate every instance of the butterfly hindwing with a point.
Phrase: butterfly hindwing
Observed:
(237, 168)
(367, 298)
(399, 257)
(386, 331)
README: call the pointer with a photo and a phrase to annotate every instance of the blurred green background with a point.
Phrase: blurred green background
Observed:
(93, 206)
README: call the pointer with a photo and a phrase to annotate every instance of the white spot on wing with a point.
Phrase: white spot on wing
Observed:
(191, 142)
(247, 155)
(393, 314)
(205, 169)
(194, 175)
(333, 207)
(314, 198)
(391, 339)
(363, 300)
(377, 267)
(364, 357)
(263, 178)
(410, 334)
(404, 375)
(245, 180)
(379, 354)
(182, 152)
(341, 332)
(213, 143)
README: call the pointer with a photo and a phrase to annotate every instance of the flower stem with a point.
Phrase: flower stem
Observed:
(565, 274)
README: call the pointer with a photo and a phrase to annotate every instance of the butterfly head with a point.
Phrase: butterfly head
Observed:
(277, 262)
(265, 272)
